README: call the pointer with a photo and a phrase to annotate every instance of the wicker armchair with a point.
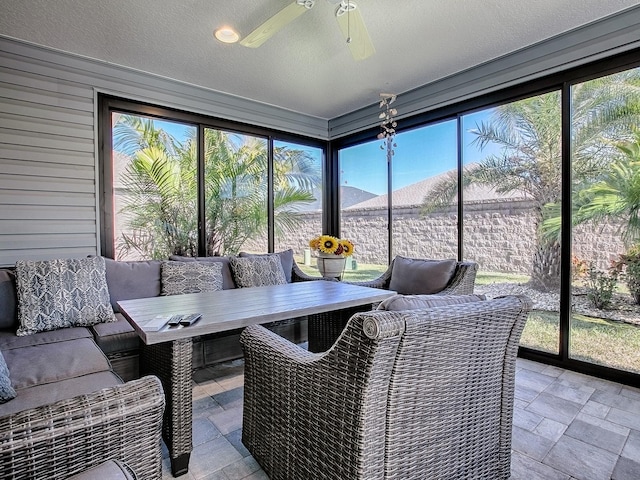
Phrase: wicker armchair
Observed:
(401, 395)
(461, 283)
(67, 437)
(325, 328)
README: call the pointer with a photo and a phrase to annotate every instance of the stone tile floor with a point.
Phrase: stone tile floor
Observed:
(567, 426)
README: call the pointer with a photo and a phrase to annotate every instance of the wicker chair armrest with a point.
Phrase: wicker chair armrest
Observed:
(258, 342)
(56, 441)
(381, 282)
(463, 281)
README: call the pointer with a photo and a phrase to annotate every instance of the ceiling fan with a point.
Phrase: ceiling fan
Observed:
(347, 15)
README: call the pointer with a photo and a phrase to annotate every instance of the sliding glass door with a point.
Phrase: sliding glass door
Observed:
(605, 247)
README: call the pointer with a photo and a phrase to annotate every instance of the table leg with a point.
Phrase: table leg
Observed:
(171, 362)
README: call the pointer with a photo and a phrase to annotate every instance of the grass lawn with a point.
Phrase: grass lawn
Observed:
(594, 340)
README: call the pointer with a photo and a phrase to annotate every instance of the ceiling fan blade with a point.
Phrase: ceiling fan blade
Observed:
(352, 26)
(281, 19)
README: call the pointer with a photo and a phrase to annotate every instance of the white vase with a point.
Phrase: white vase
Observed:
(330, 266)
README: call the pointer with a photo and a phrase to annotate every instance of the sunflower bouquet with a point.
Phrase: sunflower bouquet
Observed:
(332, 245)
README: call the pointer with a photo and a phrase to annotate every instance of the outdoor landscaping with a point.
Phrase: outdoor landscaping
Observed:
(612, 334)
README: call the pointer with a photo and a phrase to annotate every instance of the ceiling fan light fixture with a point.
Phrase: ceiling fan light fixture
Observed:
(226, 35)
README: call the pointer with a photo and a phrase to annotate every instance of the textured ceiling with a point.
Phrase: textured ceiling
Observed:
(306, 67)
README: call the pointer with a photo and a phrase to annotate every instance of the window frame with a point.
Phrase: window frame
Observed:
(562, 81)
(108, 104)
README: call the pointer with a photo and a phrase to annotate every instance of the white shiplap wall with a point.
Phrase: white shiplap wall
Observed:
(48, 144)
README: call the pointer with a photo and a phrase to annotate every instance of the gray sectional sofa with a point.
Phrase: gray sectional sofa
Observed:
(80, 384)
(71, 411)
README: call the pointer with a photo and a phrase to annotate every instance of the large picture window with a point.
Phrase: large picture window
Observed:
(176, 185)
(540, 189)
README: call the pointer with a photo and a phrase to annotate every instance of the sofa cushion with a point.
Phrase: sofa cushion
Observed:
(416, 302)
(135, 279)
(179, 278)
(417, 276)
(8, 312)
(257, 271)
(61, 293)
(286, 257)
(118, 336)
(7, 391)
(227, 276)
(52, 362)
(9, 340)
(40, 395)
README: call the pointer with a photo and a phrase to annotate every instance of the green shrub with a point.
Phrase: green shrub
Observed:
(600, 287)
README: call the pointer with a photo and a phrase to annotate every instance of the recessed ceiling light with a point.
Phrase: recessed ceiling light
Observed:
(226, 35)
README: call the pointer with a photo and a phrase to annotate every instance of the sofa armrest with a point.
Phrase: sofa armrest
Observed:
(64, 438)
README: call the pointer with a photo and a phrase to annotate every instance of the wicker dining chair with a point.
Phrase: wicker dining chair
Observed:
(423, 394)
(325, 328)
(461, 282)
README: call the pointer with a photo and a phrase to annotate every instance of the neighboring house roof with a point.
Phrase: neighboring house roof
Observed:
(348, 196)
(415, 193)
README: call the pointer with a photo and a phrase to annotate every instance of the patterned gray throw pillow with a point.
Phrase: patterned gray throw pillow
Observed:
(257, 271)
(190, 277)
(7, 391)
(61, 293)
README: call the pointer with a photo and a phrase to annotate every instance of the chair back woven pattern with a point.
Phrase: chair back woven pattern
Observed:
(451, 393)
(400, 395)
(340, 394)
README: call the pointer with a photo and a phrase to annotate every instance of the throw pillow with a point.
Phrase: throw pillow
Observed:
(7, 392)
(415, 276)
(61, 293)
(286, 257)
(416, 302)
(190, 277)
(227, 276)
(257, 271)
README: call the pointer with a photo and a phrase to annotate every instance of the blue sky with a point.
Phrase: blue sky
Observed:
(420, 153)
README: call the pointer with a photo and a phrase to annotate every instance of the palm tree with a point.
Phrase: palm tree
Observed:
(529, 134)
(161, 189)
(615, 196)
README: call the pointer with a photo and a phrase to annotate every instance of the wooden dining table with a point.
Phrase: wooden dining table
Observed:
(167, 352)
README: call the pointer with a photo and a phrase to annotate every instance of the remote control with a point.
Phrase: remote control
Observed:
(174, 320)
(190, 319)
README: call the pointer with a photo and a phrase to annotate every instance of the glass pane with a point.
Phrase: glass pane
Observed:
(425, 157)
(512, 169)
(297, 187)
(154, 183)
(235, 193)
(363, 208)
(605, 172)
